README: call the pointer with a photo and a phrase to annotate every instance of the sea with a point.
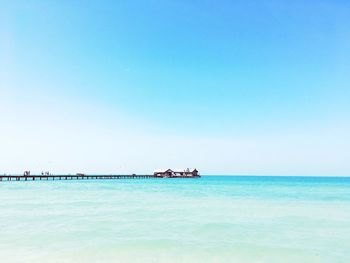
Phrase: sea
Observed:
(210, 219)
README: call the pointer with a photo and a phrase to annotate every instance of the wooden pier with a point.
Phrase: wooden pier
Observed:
(76, 177)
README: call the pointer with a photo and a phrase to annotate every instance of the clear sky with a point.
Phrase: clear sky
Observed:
(228, 87)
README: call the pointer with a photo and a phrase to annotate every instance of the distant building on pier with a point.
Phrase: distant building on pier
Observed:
(177, 173)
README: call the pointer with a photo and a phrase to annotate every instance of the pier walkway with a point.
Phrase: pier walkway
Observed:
(76, 177)
(69, 177)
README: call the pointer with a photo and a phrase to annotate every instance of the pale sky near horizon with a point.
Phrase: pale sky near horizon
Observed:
(229, 87)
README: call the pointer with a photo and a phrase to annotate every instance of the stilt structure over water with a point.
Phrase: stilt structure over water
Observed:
(179, 173)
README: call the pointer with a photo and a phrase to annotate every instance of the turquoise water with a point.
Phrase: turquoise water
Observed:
(212, 219)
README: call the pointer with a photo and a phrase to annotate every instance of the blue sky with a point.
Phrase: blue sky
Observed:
(230, 87)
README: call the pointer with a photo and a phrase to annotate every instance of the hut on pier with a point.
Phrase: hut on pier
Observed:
(169, 173)
(164, 173)
(188, 172)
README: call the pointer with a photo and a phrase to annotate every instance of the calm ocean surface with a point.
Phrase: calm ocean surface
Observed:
(211, 219)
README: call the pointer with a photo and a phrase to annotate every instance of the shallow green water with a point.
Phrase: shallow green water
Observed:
(212, 219)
